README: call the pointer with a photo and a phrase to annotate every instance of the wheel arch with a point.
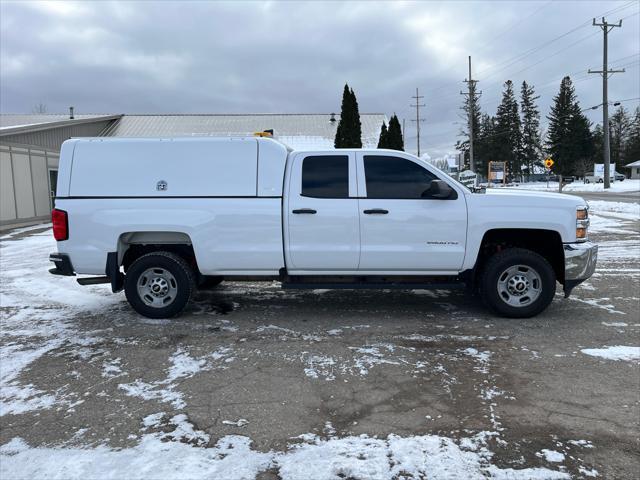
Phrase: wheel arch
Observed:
(547, 243)
(132, 245)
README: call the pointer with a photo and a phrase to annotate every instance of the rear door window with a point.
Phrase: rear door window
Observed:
(325, 176)
(394, 177)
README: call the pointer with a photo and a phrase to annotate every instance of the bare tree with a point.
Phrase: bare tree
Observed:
(39, 108)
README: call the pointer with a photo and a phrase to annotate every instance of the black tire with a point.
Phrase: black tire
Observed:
(209, 282)
(181, 272)
(496, 267)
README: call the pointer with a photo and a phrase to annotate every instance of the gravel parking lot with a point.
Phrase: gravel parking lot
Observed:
(257, 382)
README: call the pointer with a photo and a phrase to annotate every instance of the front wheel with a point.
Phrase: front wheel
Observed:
(518, 283)
(159, 285)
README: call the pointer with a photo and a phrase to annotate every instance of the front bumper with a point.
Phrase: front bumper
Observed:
(579, 264)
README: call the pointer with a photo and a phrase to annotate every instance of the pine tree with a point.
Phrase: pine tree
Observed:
(509, 147)
(597, 135)
(382, 142)
(349, 130)
(357, 125)
(569, 139)
(470, 106)
(632, 147)
(619, 126)
(485, 145)
(531, 141)
(394, 135)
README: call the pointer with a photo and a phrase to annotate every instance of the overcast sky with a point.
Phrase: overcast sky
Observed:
(294, 57)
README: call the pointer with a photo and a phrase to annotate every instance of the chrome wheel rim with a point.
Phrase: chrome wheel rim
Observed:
(519, 286)
(157, 287)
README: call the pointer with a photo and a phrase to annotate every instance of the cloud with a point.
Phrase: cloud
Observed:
(146, 57)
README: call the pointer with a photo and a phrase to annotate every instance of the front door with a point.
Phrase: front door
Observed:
(402, 228)
(322, 213)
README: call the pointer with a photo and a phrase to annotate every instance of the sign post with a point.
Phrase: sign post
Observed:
(548, 163)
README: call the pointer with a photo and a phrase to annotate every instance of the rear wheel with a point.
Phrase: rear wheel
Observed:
(518, 283)
(159, 285)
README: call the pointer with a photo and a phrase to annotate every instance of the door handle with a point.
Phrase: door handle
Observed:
(376, 211)
(304, 210)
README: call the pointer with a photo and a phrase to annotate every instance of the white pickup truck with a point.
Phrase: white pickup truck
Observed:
(161, 217)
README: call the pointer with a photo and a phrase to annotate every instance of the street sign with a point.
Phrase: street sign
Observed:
(497, 172)
(548, 163)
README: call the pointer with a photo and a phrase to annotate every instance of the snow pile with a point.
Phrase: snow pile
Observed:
(551, 456)
(578, 186)
(622, 210)
(617, 352)
(180, 454)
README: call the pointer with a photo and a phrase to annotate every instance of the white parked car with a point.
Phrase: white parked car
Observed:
(160, 217)
(615, 176)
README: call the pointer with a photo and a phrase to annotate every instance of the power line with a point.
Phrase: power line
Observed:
(513, 60)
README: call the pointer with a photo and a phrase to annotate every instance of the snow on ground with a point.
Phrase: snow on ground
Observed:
(36, 307)
(578, 186)
(183, 365)
(623, 210)
(180, 454)
(617, 352)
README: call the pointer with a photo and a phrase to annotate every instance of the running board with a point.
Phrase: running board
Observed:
(373, 286)
(93, 280)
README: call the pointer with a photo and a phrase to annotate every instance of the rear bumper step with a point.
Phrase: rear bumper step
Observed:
(62, 265)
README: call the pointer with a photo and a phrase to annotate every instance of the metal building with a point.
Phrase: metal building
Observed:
(30, 145)
(29, 153)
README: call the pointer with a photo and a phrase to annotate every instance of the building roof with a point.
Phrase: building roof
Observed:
(24, 119)
(633, 164)
(11, 124)
(299, 131)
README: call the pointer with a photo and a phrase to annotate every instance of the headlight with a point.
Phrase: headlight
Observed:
(582, 223)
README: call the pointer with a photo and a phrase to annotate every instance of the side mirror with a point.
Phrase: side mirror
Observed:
(439, 189)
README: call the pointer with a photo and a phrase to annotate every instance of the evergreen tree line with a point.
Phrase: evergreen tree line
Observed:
(391, 137)
(349, 131)
(513, 134)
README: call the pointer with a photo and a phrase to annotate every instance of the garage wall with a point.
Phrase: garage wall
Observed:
(25, 192)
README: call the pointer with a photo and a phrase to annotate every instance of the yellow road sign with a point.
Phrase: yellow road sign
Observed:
(548, 162)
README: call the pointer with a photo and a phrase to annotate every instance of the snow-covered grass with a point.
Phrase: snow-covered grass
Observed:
(578, 186)
(617, 352)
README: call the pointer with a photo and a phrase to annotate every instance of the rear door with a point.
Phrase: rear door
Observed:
(401, 229)
(322, 212)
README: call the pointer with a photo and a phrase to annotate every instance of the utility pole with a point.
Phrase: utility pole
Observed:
(605, 72)
(472, 106)
(418, 119)
(404, 139)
